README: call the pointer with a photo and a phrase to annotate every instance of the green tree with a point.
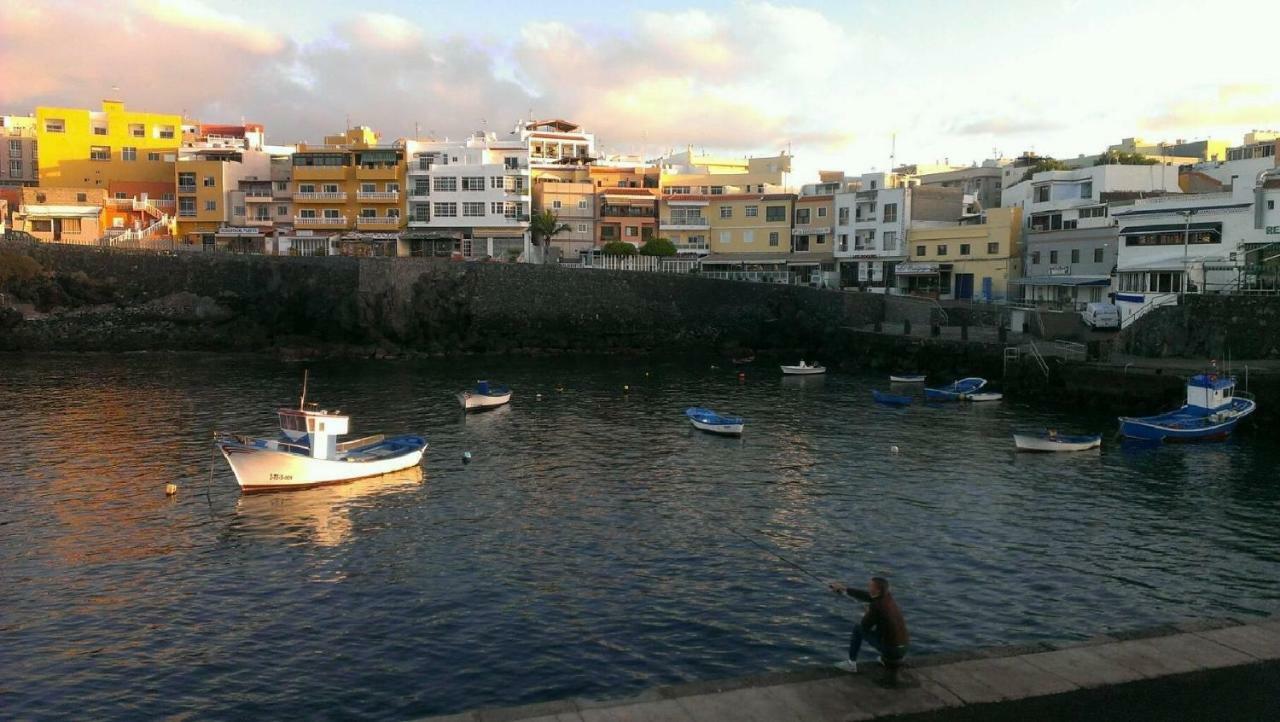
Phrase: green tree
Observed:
(543, 226)
(1042, 165)
(658, 247)
(1112, 157)
(619, 248)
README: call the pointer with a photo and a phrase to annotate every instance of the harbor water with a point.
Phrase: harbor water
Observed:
(594, 544)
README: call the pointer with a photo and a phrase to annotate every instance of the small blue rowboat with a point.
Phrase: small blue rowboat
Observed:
(713, 423)
(890, 399)
(956, 390)
(1212, 412)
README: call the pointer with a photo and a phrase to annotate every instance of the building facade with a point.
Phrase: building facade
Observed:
(129, 154)
(571, 197)
(19, 161)
(63, 215)
(966, 260)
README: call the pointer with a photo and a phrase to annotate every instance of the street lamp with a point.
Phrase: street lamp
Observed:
(1186, 245)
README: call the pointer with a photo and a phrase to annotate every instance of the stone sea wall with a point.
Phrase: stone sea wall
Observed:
(1238, 327)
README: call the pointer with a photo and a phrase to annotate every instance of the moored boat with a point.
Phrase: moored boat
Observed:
(308, 453)
(906, 378)
(890, 399)
(983, 396)
(804, 369)
(711, 422)
(1212, 412)
(484, 396)
(1049, 440)
(956, 390)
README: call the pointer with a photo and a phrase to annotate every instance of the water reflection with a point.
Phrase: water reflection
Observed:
(321, 515)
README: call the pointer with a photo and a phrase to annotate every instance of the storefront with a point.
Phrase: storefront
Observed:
(382, 245)
(240, 239)
(305, 243)
(932, 280)
(760, 267)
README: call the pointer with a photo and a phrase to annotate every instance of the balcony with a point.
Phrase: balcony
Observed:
(186, 188)
(379, 196)
(314, 222)
(310, 196)
(514, 191)
(687, 223)
(420, 197)
(378, 223)
(627, 212)
(258, 221)
(257, 196)
(378, 172)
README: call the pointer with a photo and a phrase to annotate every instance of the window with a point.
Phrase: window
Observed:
(444, 183)
(368, 187)
(1097, 255)
(495, 207)
(890, 240)
(822, 211)
(1053, 257)
(137, 130)
(15, 168)
(15, 147)
(82, 198)
(55, 125)
(70, 225)
(306, 187)
(209, 181)
(1086, 189)
(1271, 205)
(890, 212)
(127, 153)
(473, 210)
(282, 210)
(153, 156)
(1041, 194)
(307, 213)
(821, 239)
(368, 213)
(331, 214)
(920, 250)
(631, 231)
(238, 210)
(717, 190)
(555, 205)
(164, 131)
(775, 214)
(211, 205)
(993, 248)
(446, 210)
(842, 216)
(121, 196)
(582, 228)
(187, 182)
(748, 236)
(511, 162)
(40, 225)
(473, 183)
(1075, 255)
(942, 249)
(99, 152)
(40, 198)
(186, 206)
(582, 204)
(964, 249)
(844, 244)
(773, 238)
(421, 212)
(802, 216)
(678, 190)
(99, 130)
(1094, 212)
(726, 211)
(751, 211)
(1035, 258)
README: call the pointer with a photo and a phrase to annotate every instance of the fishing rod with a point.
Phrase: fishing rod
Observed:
(771, 552)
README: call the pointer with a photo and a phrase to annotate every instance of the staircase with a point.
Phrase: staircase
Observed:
(133, 237)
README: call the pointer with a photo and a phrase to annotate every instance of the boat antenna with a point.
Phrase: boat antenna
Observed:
(302, 402)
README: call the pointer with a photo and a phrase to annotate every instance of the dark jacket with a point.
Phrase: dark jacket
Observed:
(884, 616)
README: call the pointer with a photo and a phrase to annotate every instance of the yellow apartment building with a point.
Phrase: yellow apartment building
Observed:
(745, 235)
(966, 260)
(209, 195)
(125, 152)
(351, 186)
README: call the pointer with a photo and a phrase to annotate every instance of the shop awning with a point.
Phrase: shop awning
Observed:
(810, 258)
(56, 211)
(1062, 280)
(740, 258)
(916, 269)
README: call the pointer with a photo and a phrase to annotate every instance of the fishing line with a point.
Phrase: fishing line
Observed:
(760, 546)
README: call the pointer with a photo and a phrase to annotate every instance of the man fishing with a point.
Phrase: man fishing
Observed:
(882, 626)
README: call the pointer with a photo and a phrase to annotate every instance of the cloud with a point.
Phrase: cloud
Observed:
(383, 32)
(1005, 125)
(1233, 104)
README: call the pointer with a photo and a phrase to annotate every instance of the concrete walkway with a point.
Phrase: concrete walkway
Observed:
(1209, 670)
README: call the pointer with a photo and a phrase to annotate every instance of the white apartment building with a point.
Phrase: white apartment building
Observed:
(556, 143)
(470, 196)
(1066, 199)
(1195, 243)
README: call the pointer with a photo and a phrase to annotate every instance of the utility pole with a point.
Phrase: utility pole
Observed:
(1186, 246)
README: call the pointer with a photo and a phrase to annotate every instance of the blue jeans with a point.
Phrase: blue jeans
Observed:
(872, 637)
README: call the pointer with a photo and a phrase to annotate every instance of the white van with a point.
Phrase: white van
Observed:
(1101, 315)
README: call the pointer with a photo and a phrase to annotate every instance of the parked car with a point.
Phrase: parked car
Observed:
(1101, 315)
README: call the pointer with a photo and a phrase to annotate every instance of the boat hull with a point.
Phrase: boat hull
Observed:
(981, 398)
(890, 399)
(480, 402)
(803, 370)
(721, 429)
(258, 469)
(907, 378)
(1036, 442)
(1169, 427)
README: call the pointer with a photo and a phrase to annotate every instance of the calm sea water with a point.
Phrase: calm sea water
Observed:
(591, 547)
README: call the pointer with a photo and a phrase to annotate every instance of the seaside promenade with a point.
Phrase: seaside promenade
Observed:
(1219, 670)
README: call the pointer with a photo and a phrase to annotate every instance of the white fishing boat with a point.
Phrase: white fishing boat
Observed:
(1050, 440)
(906, 378)
(484, 396)
(983, 396)
(711, 422)
(308, 452)
(804, 369)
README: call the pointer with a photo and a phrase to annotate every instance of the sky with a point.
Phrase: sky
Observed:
(843, 85)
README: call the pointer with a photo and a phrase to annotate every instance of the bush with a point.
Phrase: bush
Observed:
(619, 248)
(17, 269)
(658, 247)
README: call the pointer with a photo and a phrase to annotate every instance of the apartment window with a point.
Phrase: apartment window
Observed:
(775, 214)
(282, 185)
(631, 231)
(1271, 205)
(890, 212)
(1075, 255)
(368, 213)
(238, 210)
(511, 162)
(211, 205)
(15, 168)
(82, 198)
(748, 236)
(751, 211)
(186, 206)
(678, 190)
(495, 208)
(41, 226)
(70, 225)
(1035, 258)
(873, 185)
(472, 210)
(473, 183)
(1094, 212)
(393, 187)
(330, 187)
(1097, 255)
(137, 130)
(421, 187)
(717, 190)
(802, 216)
(121, 196)
(186, 180)
(15, 147)
(55, 125)
(127, 153)
(555, 205)
(306, 188)
(1069, 224)
(99, 130)
(890, 240)
(420, 212)
(99, 152)
(842, 216)
(993, 248)
(726, 211)
(368, 187)
(1042, 194)
(307, 213)
(495, 181)
(447, 183)
(582, 228)
(1053, 257)
(153, 156)
(446, 210)
(822, 211)
(1086, 189)
(820, 239)
(773, 238)
(282, 210)
(920, 250)
(964, 249)
(209, 181)
(942, 249)
(582, 204)
(164, 131)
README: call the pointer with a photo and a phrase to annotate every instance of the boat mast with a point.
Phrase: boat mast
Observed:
(302, 402)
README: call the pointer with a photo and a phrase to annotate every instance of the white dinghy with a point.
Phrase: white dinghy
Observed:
(804, 369)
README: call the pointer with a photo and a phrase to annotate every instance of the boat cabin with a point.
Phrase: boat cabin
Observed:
(322, 428)
(1210, 391)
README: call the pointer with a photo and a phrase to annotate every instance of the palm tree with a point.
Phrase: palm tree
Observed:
(543, 226)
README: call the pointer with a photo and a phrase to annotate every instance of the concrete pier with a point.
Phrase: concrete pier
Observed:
(1221, 670)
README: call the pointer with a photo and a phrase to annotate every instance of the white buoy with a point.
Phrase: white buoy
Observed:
(538, 397)
(893, 449)
(170, 489)
(466, 457)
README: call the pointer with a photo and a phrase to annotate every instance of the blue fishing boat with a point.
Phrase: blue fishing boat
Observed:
(890, 399)
(956, 390)
(1212, 411)
(713, 423)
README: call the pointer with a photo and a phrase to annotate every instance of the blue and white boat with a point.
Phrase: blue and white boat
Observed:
(711, 422)
(484, 396)
(890, 399)
(1212, 411)
(956, 390)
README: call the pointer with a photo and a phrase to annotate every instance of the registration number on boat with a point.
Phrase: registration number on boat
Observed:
(282, 477)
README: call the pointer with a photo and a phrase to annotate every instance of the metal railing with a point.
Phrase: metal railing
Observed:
(320, 221)
(313, 196)
(378, 195)
(1039, 358)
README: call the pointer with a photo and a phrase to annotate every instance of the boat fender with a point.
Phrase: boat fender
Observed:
(466, 457)
(893, 449)
(742, 376)
(626, 389)
(170, 489)
(538, 397)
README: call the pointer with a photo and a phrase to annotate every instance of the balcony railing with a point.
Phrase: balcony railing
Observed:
(319, 221)
(258, 220)
(378, 196)
(627, 212)
(257, 196)
(514, 191)
(421, 197)
(310, 196)
(688, 222)
(186, 188)
(378, 222)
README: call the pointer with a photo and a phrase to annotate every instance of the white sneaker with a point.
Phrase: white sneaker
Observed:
(849, 666)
